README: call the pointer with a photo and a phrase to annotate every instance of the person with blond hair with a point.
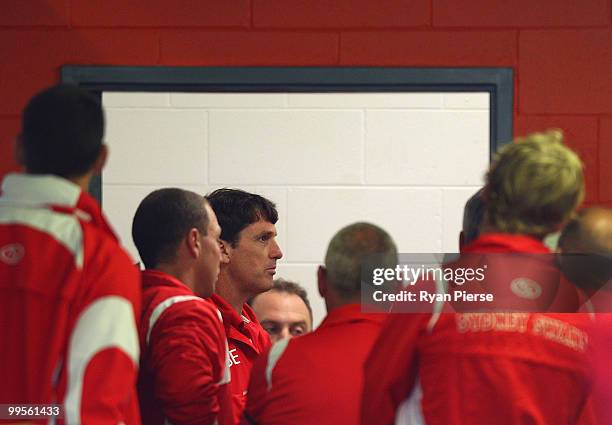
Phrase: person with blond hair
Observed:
(534, 186)
(509, 364)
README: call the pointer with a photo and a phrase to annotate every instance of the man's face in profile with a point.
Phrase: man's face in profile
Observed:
(253, 260)
(281, 314)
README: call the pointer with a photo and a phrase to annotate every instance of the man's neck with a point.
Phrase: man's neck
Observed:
(82, 181)
(332, 303)
(487, 228)
(178, 272)
(227, 290)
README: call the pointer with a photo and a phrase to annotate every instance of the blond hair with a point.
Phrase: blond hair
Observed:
(534, 185)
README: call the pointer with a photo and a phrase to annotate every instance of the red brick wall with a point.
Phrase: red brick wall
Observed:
(561, 50)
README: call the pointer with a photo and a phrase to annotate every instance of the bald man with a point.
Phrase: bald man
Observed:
(586, 247)
(586, 253)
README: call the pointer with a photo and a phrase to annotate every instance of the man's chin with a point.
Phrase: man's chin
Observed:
(264, 286)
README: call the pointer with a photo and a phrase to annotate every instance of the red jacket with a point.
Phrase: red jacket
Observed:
(247, 340)
(69, 301)
(316, 378)
(184, 375)
(480, 368)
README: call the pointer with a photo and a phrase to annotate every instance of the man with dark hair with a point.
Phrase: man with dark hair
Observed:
(62, 138)
(317, 378)
(184, 374)
(249, 253)
(284, 311)
(70, 295)
(473, 217)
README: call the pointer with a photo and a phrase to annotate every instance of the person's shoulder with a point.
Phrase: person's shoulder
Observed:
(101, 246)
(107, 267)
(188, 309)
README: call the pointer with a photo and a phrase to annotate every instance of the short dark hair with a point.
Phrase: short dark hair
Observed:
(236, 209)
(62, 131)
(473, 216)
(162, 220)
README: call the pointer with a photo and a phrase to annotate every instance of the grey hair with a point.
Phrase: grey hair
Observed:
(356, 248)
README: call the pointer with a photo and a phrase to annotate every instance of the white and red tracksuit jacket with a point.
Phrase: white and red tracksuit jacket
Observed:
(506, 367)
(184, 375)
(69, 301)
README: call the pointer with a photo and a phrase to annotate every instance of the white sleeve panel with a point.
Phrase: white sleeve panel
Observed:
(107, 323)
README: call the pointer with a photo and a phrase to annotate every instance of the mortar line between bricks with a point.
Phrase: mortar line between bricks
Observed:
(65, 27)
(564, 114)
(69, 5)
(431, 14)
(516, 71)
(512, 28)
(376, 30)
(598, 175)
(162, 27)
(159, 48)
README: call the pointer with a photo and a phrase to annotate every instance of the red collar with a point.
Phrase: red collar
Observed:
(347, 314)
(506, 242)
(159, 278)
(87, 209)
(230, 315)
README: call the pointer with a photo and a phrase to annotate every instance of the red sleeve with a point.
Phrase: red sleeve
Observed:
(391, 370)
(188, 361)
(103, 349)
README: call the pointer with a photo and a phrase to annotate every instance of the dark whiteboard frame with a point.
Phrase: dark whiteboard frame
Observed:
(498, 82)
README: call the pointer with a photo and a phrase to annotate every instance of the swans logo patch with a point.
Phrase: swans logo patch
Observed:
(11, 254)
(526, 288)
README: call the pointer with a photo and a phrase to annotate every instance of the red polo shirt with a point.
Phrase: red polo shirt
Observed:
(316, 378)
(247, 340)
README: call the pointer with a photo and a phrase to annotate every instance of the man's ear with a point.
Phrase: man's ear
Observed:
(226, 251)
(322, 281)
(19, 154)
(192, 241)
(100, 160)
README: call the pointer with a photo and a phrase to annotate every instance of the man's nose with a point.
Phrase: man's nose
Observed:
(284, 333)
(276, 252)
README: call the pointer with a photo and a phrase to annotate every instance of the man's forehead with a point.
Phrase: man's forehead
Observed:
(259, 226)
(277, 300)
